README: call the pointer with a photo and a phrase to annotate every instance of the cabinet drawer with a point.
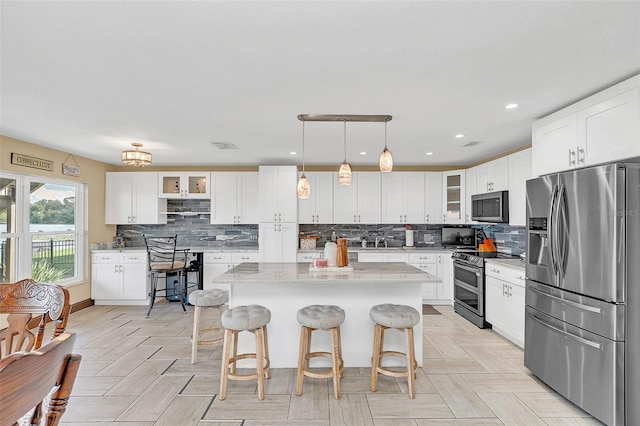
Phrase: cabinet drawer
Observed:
(217, 258)
(511, 275)
(140, 257)
(105, 257)
(396, 257)
(308, 257)
(422, 258)
(239, 258)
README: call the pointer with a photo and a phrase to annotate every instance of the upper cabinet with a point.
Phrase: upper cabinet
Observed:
(470, 188)
(132, 197)
(359, 202)
(453, 192)
(601, 128)
(403, 197)
(278, 196)
(182, 185)
(519, 172)
(433, 197)
(493, 176)
(318, 208)
(235, 197)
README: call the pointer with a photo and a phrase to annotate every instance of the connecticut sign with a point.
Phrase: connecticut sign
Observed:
(33, 162)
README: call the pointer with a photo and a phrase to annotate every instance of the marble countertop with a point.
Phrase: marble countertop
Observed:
(191, 249)
(292, 273)
(511, 263)
(383, 249)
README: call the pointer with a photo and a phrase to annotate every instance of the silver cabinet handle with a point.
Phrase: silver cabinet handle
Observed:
(572, 159)
(580, 151)
(504, 290)
(354, 218)
(427, 218)
(279, 217)
(510, 290)
(520, 277)
(133, 219)
(115, 269)
(400, 218)
(497, 271)
(359, 220)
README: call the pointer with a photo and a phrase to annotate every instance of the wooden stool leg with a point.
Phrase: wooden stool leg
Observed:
(260, 361)
(234, 351)
(375, 360)
(411, 359)
(335, 351)
(302, 354)
(340, 353)
(225, 364)
(195, 334)
(265, 340)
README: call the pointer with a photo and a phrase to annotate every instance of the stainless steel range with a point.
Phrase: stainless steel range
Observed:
(468, 283)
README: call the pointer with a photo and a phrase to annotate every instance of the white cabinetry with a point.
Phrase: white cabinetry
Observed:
(235, 197)
(519, 172)
(601, 128)
(359, 202)
(470, 188)
(216, 264)
(493, 176)
(453, 192)
(278, 242)
(318, 208)
(119, 278)
(308, 256)
(403, 197)
(438, 264)
(433, 197)
(278, 197)
(132, 197)
(504, 295)
(180, 185)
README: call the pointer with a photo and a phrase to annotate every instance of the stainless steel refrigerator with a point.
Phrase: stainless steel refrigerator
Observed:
(582, 321)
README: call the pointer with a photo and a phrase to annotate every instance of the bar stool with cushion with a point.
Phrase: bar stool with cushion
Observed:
(203, 299)
(253, 318)
(320, 317)
(403, 318)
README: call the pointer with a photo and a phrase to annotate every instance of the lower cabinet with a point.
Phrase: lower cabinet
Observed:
(278, 242)
(119, 278)
(504, 297)
(216, 264)
(309, 256)
(438, 264)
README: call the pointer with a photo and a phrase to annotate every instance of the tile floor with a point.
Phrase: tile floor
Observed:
(137, 371)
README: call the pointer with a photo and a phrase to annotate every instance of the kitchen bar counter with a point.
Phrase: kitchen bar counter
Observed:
(286, 287)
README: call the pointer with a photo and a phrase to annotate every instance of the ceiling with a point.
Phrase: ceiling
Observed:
(91, 77)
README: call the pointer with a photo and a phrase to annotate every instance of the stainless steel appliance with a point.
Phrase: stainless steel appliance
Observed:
(459, 237)
(582, 321)
(490, 207)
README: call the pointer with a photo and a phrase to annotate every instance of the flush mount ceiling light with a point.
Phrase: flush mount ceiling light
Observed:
(304, 187)
(344, 174)
(511, 106)
(136, 157)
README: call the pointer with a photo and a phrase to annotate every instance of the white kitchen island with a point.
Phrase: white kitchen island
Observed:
(286, 287)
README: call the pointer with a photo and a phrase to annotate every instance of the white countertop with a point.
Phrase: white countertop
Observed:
(191, 249)
(384, 250)
(511, 263)
(292, 273)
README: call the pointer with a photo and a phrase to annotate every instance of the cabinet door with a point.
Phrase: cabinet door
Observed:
(247, 196)
(268, 186)
(484, 177)
(500, 180)
(213, 271)
(393, 197)
(414, 197)
(119, 198)
(133, 278)
(223, 201)
(288, 241)
(370, 257)
(610, 130)
(322, 185)
(445, 273)
(196, 185)
(519, 172)
(433, 197)
(278, 242)
(345, 201)
(496, 302)
(287, 194)
(471, 188)
(454, 196)
(307, 206)
(105, 281)
(554, 145)
(369, 199)
(516, 313)
(146, 204)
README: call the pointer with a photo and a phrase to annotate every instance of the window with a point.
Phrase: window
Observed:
(42, 232)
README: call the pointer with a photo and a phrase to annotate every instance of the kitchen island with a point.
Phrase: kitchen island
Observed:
(286, 287)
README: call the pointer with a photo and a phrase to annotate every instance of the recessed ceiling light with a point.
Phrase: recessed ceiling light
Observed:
(363, 153)
(293, 153)
(429, 153)
(459, 135)
(511, 106)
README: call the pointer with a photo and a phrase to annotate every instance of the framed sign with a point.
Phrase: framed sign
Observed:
(70, 169)
(33, 162)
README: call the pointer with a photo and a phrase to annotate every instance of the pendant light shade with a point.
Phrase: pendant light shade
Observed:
(303, 187)
(386, 160)
(344, 173)
(136, 157)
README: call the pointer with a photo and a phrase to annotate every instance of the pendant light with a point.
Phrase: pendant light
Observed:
(304, 188)
(344, 174)
(136, 158)
(386, 160)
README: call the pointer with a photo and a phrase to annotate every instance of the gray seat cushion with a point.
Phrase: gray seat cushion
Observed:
(321, 316)
(211, 297)
(395, 316)
(246, 317)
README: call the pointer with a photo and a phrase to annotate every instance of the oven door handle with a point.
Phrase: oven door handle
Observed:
(476, 271)
(567, 334)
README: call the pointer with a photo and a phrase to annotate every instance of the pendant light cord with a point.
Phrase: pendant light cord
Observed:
(345, 141)
(303, 147)
(385, 135)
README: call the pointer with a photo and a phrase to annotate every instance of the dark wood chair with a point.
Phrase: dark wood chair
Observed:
(28, 378)
(163, 259)
(24, 299)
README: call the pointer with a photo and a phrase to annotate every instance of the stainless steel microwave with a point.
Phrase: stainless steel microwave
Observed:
(490, 207)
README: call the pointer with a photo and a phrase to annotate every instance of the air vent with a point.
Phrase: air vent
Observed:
(471, 143)
(224, 145)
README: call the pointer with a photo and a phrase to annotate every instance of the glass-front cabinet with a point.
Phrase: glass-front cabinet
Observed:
(184, 185)
(453, 186)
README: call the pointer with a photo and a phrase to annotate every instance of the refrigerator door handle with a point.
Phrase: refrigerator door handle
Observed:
(561, 231)
(567, 302)
(579, 339)
(550, 235)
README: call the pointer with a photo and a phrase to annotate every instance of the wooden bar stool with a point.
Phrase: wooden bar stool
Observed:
(320, 317)
(202, 299)
(253, 318)
(403, 318)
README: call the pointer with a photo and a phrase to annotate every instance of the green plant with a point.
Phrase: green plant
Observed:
(44, 272)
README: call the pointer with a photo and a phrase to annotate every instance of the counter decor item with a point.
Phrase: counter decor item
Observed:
(409, 237)
(343, 256)
(307, 243)
(118, 241)
(331, 253)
